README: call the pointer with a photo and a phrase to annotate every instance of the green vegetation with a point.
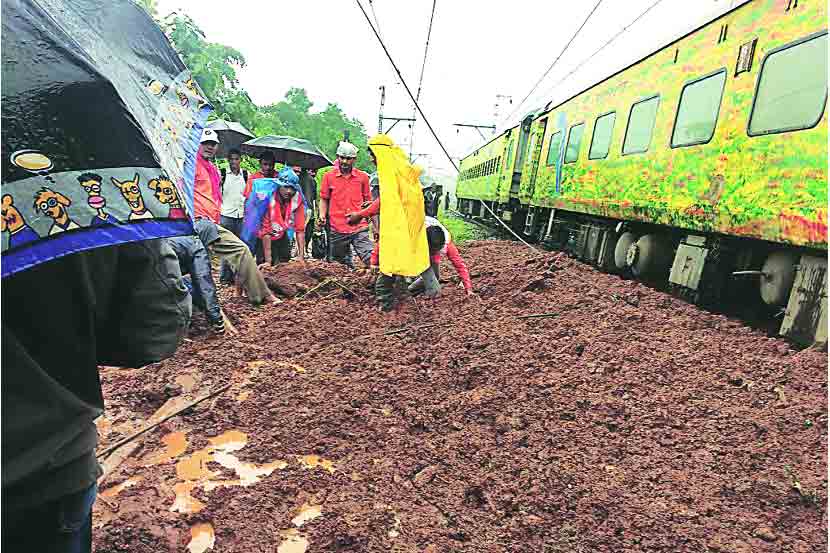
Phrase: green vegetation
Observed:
(461, 231)
(215, 66)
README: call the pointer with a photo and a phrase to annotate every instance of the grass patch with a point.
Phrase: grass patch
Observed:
(462, 231)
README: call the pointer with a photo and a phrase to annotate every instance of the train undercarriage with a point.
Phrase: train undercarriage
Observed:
(784, 289)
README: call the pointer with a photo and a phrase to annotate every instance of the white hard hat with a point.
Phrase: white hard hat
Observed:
(347, 149)
(209, 135)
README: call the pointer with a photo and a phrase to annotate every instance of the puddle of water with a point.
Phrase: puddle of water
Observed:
(186, 381)
(202, 538)
(307, 512)
(248, 473)
(211, 485)
(395, 531)
(232, 440)
(292, 542)
(314, 461)
(104, 425)
(117, 489)
(195, 466)
(174, 443)
(184, 502)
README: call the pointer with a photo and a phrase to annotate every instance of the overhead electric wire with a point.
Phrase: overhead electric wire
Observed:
(429, 126)
(375, 15)
(601, 48)
(421, 79)
(548, 70)
(403, 82)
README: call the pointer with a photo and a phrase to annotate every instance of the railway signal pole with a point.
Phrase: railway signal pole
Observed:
(381, 118)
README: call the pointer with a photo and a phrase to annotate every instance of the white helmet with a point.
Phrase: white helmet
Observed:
(347, 149)
(209, 135)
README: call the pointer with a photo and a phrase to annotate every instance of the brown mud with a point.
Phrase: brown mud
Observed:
(621, 420)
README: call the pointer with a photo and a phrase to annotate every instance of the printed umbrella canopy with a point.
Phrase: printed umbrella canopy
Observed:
(231, 135)
(288, 150)
(101, 125)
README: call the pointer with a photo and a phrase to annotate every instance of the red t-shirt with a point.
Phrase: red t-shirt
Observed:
(345, 193)
(205, 203)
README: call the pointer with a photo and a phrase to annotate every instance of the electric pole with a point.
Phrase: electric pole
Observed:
(476, 127)
(381, 118)
(497, 106)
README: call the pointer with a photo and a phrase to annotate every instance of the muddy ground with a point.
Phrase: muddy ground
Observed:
(621, 420)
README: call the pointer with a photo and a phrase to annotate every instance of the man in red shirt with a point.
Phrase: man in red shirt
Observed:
(343, 190)
(207, 203)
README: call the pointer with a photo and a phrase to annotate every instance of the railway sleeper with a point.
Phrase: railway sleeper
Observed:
(781, 289)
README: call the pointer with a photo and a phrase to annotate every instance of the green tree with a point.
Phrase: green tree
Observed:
(150, 6)
(215, 66)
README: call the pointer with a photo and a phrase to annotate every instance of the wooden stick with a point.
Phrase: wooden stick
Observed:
(343, 286)
(138, 433)
(228, 323)
(307, 292)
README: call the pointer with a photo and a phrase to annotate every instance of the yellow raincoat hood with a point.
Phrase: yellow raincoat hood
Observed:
(403, 240)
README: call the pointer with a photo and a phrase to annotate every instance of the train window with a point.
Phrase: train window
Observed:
(553, 147)
(697, 111)
(603, 131)
(640, 126)
(574, 142)
(792, 87)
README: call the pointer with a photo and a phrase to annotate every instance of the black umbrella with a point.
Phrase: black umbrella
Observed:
(101, 123)
(231, 135)
(288, 150)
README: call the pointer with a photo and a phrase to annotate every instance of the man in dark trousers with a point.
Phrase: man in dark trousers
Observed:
(194, 260)
(119, 305)
(232, 186)
(344, 190)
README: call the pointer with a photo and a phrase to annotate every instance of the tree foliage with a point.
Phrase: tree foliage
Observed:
(215, 66)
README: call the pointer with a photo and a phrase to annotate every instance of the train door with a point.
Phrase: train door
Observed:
(524, 134)
(506, 169)
(536, 153)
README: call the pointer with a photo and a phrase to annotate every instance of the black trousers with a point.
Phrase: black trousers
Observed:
(280, 251)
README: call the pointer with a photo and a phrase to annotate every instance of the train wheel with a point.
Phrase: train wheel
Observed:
(777, 279)
(649, 256)
(625, 241)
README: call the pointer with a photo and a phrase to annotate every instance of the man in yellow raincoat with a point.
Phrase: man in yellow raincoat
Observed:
(403, 249)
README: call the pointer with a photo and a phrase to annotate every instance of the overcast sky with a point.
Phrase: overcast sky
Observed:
(478, 50)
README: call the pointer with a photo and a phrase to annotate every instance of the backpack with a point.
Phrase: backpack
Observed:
(224, 172)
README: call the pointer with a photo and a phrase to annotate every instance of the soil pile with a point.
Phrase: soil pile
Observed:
(561, 410)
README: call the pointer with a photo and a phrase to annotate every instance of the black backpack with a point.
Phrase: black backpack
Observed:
(224, 172)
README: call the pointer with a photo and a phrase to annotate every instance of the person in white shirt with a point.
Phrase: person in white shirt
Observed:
(233, 203)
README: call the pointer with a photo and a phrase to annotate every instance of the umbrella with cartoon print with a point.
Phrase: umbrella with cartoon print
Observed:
(101, 124)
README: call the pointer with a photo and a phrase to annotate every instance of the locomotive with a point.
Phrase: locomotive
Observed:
(702, 166)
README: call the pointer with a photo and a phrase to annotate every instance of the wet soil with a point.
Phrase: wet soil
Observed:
(563, 410)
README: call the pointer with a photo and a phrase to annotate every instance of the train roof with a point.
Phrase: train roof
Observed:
(667, 39)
